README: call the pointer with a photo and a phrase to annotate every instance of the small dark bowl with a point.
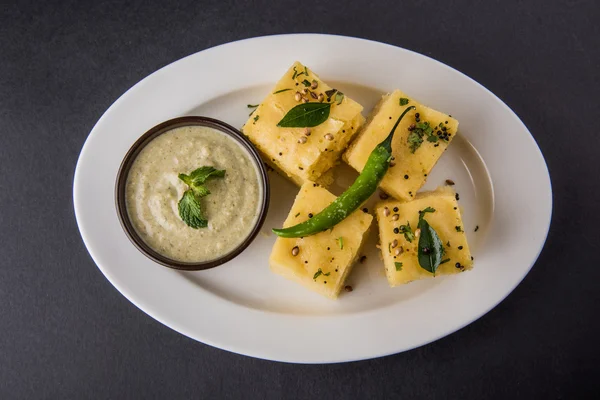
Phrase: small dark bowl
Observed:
(124, 172)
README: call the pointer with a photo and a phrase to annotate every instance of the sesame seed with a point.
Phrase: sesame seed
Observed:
(314, 84)
(395, 217)
(386, 211)
(297, 96)
(302, 139)
(329, 136)
(295, 251)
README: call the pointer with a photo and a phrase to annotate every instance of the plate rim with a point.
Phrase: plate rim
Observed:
(265, 355)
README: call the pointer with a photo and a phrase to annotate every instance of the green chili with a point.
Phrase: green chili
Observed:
(362, 188)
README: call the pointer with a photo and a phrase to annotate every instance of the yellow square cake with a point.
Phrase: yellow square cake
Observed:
(419, 141)
(303, 153)
(323, 261)
(399, 235)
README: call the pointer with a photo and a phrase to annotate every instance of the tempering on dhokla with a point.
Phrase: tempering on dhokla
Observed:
(421, 139)
(399, 235)
(323, 261)
(303, 154)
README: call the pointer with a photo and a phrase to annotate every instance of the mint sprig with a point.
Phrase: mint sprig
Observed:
(190, 208)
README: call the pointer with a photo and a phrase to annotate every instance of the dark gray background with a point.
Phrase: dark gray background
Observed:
(67, 333)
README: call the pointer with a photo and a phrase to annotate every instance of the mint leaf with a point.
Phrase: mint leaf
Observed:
(200, 191)
(202, 174)
(190, 211)
(307, 115)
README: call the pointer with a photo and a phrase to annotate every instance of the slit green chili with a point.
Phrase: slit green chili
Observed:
(363, 187)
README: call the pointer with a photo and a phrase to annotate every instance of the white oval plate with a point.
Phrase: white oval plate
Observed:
(241, 306)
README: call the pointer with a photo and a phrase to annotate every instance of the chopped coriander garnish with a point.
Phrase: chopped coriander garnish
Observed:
(305, 71)
(417, 133)
(329, 93)
(306, 83)
(458, 229)
(407, 231)
(341, 242)
(319, 273)
(295, 73)
(296, 215)
(403, 101)
(414, 141)
(281, 91)
(253, 105)
(398, 266)
(427, 210)
(339, 97)
(256, 119)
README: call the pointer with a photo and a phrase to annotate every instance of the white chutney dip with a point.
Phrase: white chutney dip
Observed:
(153, 190)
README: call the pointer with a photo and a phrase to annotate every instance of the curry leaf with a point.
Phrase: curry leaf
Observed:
(431, 248)
(306, 115)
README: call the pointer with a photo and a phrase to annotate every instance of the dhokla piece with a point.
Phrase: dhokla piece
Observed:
(323, 261)
(419, 141)
(400, 255)
(303, 154)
